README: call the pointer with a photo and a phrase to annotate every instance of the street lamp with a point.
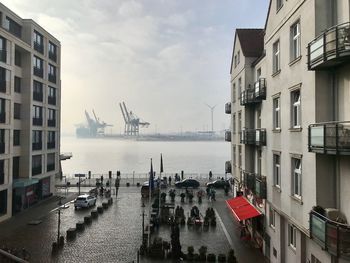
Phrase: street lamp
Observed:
(143, 220)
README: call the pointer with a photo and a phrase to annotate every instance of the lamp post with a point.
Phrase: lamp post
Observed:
(59, 221)
(143, 220)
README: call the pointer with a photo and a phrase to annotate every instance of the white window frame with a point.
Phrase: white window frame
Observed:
(296, 109)
(272, 217)
(292, 236)
(276, 65)
(296, 177)
(277, 113)
(234, 123)
(234, 92)
(277, 170)
(295, 40)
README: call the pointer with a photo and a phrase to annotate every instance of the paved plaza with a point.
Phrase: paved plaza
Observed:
(116, 235)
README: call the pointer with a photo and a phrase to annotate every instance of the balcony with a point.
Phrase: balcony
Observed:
(227, 136)
(228, 108)
(2, 148)
(330, 49)
(3, 85)
(39, 72)
(254, 95)
(50, 167)
(51, 123)
(38, 47)
(36, 170)
(228, 167)
(3, 55)
(52, 56)
(255, 183)
(51, 100)
(38, 96)
(330, 138)
(37, 146)
(253, 137)
(51, 145)
(37, 121)
(52, 78)
(332, 236)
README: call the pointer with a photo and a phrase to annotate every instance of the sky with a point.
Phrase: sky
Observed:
(166, 59)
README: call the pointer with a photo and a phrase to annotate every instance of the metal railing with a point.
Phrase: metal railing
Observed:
(38, 72)
(38, 96)
(227, 136)
(330, 48)
(36, 146)
(253, 137)
(329, 138)
(52, 56)
(51, 100)
(51, 145)
(330, 235)
(50, 167)
(256, 183)
(255, 94)
(38, 47)
(51, 123)
(228, 108)
(37, 170)
(52, 78)
(38, 121)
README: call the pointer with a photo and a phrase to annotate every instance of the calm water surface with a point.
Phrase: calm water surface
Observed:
(102, 155)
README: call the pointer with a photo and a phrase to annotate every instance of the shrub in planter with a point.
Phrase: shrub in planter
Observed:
(222, 258)
(127, 184)
(138, 184)
(203, 253)
(196, 257)
(190, 251)
(211, 257)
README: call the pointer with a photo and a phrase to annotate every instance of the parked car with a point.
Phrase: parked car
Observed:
(84, 201)
(219, 184)
(187, 183)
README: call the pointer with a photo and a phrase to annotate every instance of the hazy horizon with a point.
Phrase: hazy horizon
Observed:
(166, 59)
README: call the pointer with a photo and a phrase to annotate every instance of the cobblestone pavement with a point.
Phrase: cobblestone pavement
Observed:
(116, 235)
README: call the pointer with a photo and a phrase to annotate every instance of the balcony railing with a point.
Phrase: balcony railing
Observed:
(51, 145)
(39, 47)
(253, 137)
(256, 183)
(2, 148)
(330, 138)
(51, 100)
(38, 96)
(331, 48)
(50, 167)
(52, 78)
(227, 136)
(37, 170)
(38, 72)
(36, 146)
(228, 108)
(3, 85)
(255, 94)
(332, 236)
(228, 167)
(3, 55)
(52, 56)
(37, 121)
(51, 123)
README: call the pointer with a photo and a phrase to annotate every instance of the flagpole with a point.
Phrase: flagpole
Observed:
(160, 177)
(150, 204)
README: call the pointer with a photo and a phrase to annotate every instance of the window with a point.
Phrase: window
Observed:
(234, 92)
(51, 118)
(2, 141)
(2, 172)
(4, 79)
(240, 122)
(235, 60)
(17, 84)
(52, 51)
(18, 58)
(37, 91)
(234, 123)
(2, 110)
(259, 162)
(276, 114)
(277, 170)
(3, 53)
(238, 57)
(37, 115)
(13, 27)
(296, 177)
(272, 217)
(295, 40)
(296, 109)
(234, 154)
(51, 139)
(292, 236)
(239, 156)
(38, 67)
(36, 164)
(3, 200)
(276, 57)
(15, 167)
(239, 86)
(52, 73)
(16, 137)
(258, 74)
(38, 42)
(50, 162)
(17, 111)
(279, 4)
(51, 99)
(37, 140)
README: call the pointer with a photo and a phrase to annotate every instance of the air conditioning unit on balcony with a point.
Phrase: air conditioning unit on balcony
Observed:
(335, 215)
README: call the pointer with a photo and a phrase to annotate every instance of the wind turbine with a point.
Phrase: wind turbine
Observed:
(212, 116)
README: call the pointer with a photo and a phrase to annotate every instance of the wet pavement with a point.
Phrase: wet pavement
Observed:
(116, 235)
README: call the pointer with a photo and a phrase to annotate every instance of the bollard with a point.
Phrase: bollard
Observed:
(105, 205)
(94, 214)
(87, 219)
(80, 226)
(110, 201)
(100, 209)
(71, 233)
(54, 247)
(61, 244)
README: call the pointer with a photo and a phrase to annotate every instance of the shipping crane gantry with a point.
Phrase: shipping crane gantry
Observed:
(132, 122)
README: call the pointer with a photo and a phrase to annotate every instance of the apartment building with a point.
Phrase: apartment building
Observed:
(291, 109)
(30, 91)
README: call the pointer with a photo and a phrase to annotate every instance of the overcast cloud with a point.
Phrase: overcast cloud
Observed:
(164, 58)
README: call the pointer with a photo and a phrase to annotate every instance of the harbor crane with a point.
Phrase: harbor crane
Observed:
(93, 128)
(132, 122)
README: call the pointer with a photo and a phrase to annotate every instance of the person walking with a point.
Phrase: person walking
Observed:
(169, 179)
(210, 175)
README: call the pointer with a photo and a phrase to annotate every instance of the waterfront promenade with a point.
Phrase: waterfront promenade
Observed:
(116, 235)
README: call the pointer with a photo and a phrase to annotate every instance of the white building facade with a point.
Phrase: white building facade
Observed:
(30, 89)
(304, 118)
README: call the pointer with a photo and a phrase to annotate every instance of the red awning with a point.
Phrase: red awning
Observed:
(241, 208)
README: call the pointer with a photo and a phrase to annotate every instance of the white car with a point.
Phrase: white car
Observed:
(84, 201)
